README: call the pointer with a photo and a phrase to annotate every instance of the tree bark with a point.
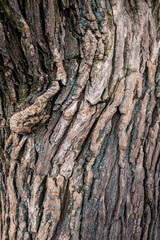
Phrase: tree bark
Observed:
(80, 119)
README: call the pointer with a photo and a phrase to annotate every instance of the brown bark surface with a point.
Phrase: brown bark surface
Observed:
(79, 119)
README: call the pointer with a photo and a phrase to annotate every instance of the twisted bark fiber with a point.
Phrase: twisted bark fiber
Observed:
(80, 119)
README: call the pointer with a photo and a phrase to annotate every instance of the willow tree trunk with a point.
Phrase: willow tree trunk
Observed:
(80, 119)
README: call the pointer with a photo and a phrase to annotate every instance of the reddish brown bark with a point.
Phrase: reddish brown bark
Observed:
(79, 119)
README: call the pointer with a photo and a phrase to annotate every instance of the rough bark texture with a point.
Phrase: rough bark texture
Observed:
(79, 119)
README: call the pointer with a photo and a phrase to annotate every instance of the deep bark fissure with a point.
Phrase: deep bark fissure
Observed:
(64, 206)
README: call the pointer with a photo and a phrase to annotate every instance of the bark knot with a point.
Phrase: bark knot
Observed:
(24, 121)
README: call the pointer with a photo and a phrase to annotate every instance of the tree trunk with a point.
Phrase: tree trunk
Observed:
(80, 119)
